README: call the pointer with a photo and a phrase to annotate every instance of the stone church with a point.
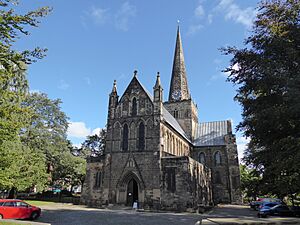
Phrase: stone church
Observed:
(157, 152)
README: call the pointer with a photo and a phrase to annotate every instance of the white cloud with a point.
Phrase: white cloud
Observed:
(241, 145)
(78, 130)
(199, 14)
(199, 11)
(123, 15)
(99, 15)
(210, 18)
(236, 13)
(96, 131)
(63, 85)
(194, 29)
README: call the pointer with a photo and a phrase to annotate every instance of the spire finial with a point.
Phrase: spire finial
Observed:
(135, 73)
(178, 25)
(157, 83)
(114, 90)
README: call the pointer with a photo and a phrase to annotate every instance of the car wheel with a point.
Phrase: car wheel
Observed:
(34, 215)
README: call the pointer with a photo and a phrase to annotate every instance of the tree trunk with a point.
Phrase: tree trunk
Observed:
(12, 193)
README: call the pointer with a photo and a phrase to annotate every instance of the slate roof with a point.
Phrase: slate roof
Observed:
(173, 122)
(212, 133)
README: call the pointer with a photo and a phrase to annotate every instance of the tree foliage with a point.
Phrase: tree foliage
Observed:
(20, 165)
(267, 73)
(250, 182)
(33, 144)
(94, 145)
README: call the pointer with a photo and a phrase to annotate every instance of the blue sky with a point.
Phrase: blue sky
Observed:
(93, 42)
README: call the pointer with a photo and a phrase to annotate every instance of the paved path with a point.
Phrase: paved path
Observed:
(64, 214)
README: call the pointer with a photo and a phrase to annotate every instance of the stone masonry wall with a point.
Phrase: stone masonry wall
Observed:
(225, 175)
(192, 184)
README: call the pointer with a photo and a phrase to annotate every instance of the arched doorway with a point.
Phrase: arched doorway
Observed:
(132, 192)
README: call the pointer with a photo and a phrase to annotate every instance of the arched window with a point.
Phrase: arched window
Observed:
(218, 158)
(125, 138)
(176, 114)
(98, 179)
(202, 158)
(134, 107)
(141, 140)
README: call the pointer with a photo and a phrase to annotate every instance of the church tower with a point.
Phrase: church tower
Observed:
(180, 104)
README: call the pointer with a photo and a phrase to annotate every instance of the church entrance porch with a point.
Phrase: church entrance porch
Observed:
(130, 188)
(132, 192)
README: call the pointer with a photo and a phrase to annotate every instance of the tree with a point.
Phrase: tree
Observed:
(250, 182)
(47, 130)
(267, 72)
(13, 82)
(16, 167)
(94, 145)
(70, 171)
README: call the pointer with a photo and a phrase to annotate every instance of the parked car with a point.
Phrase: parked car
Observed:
(267, 205)
(296, 210)
(18, 209)
(278, 210)
(256, 205)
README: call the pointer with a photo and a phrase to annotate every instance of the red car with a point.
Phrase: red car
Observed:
(18, 209)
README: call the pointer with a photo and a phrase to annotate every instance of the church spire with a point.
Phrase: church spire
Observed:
(179, 88)
(114, 89)
(158, 90)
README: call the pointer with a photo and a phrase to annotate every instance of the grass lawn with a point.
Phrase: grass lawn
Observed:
(39, 203)
(12, 223)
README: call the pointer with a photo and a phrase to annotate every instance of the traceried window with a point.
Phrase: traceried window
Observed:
(134, 107)
(98, 179)
(202, 158)
(141, 136)
(125, 138)
(217, 158)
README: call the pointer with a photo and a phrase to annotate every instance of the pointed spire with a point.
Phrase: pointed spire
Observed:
(179, 87)
(157, 83)
(158, 90)
(114, 89)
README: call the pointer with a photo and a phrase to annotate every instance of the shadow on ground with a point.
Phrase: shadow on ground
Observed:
(81, 215)
(112, 217)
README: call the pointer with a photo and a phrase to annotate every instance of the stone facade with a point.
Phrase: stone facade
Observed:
(159, 155)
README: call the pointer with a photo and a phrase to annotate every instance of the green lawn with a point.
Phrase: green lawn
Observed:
(13, 223)
(39, 203)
